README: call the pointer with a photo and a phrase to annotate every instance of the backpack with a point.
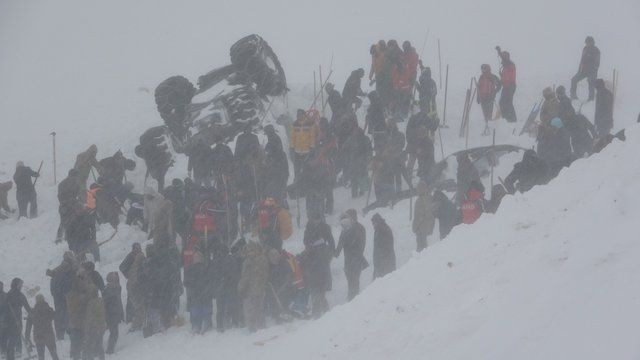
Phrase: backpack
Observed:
(286, 225)
(203, 217)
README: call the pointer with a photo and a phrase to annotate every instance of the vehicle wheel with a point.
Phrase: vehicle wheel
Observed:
(254, 60)
(173, 96)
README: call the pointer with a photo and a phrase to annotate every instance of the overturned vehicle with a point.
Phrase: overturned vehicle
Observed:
(230, 97)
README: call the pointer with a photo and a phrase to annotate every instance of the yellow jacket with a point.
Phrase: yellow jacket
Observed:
(303, 135)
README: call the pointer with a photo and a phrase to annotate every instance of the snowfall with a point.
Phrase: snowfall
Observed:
(554, 274)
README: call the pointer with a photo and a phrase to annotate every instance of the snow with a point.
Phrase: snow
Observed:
(552, 275)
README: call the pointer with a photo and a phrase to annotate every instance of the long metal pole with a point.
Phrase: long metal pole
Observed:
(440, 63)
(55, 178)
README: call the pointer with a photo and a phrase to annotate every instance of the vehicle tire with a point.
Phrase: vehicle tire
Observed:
(255, 61)
(173, 96)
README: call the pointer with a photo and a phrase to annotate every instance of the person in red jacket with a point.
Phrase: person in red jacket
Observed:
(488, 87)
(508, 79)
(473, 205)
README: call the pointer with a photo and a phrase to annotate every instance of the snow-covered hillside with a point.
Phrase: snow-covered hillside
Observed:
(553, 275)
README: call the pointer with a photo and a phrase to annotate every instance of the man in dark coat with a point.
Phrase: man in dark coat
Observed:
(358, 153)
(319, 248)
(589, 64)
(112, 171)
(69, 199)
(41, 318)
(222, 158)
(16, 302)
(376, 121)
(427, 91)
(384, 256)
(247, 159)
(425, 154)
(155, 152)
(3, 313)
(4, 199)
(419, 125)
(554, 146)
(508, 79)
(352, 240)
(276, 170)
(25, 190)
(466, 174)
(353, 90)
(334, 99)
(581, 130)
(604, 109)
(176, 194)
(61, 281)
(200, 163)
(527, 173)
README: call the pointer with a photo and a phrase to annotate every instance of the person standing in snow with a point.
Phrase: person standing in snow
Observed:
(425, 216)
(303, 140)
(550, 108)
(4, 199)
(61, 281)
(85, 162)
(384, 256)
(488, 86)
(253, 285)
(508, 79)
(316, 260)
(352, 240)
(16, 302)
(353, 90)
(114, 311)
(375, 120)
(131, 268)
(589, 64)
(41, 319)
(334, 99)
(200, 163)
(25, 190)
(603, 118)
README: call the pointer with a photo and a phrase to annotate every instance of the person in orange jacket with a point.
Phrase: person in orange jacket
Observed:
(303, 140)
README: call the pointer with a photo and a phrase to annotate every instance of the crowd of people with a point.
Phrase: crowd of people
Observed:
(217, 235)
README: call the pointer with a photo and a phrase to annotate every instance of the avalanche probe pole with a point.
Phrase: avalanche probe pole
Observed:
(321, 90)
(440, 64)
(493, 158)
(38, 172)
(55, 178)
(226, 190)
(446, 91)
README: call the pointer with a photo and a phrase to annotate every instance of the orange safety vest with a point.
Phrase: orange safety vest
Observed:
(91, 198)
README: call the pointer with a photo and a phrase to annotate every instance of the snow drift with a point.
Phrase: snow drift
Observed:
(553, 275)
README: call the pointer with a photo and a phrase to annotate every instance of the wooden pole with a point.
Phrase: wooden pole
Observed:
(315, 92)
(446, 90)
(440, 64)
(55, 177)
(493, 158)
(321, 90)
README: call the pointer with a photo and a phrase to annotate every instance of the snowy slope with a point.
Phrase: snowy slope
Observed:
(553, 275)
(81, 68)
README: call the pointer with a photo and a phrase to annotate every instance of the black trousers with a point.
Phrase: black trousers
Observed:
(581, 75)
(113, 337)
(27, 200)
(506, 104)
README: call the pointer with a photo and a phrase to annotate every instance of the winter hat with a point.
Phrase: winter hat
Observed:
(561, 91)
(329, 86)
(557, 123)
(345, 221)
(269, 129)
(19, 164)
(113, 278)
(376, 218)
(39, 298)
(485, 68)
(547, 93)
(590, 40)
